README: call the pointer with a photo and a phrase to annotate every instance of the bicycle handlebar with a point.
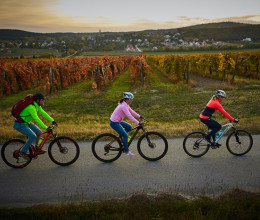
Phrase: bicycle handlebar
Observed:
(234, 121)
(49, 129)
(142, 121)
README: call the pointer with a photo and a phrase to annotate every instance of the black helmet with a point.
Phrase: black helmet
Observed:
(38, 96)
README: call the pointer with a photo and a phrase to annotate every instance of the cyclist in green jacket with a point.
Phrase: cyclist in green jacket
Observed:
(28, 128)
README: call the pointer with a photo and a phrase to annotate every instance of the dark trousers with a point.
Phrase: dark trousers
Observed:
(213, 125)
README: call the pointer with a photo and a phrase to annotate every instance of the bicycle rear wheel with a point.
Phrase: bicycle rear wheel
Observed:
(152, 146)
(239, 142)
(195, 145)
(63, 151)
(107, 147)
(10, 154)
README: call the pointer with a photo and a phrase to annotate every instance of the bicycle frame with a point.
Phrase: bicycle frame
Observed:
(137, 128)
(227, 126)
(35, 152)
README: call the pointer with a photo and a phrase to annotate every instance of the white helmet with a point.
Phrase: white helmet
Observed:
(221, 93)
(128, 95)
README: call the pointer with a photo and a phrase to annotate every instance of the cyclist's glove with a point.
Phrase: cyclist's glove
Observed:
(49, 129)
(236, 121)
(55, 123)
(141, 123)
(142, 117)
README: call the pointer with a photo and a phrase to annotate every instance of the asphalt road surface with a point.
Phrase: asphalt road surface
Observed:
(42, 181)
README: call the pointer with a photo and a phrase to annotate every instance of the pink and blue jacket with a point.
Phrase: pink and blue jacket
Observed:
(122, 110)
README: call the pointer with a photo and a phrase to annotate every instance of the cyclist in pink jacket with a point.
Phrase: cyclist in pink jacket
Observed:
(212, 107)
(116, 120)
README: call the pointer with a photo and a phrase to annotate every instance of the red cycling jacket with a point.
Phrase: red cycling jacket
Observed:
(214, 106)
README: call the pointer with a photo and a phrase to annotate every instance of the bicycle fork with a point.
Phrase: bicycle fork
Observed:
(150, 144)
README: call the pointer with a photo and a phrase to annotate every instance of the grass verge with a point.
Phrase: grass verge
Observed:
(235, 205)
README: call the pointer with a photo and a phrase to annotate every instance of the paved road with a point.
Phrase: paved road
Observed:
(88, 179)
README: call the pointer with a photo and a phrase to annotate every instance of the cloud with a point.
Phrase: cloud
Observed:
(45, 16)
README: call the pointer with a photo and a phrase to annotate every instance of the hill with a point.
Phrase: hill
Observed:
(226, 31)
(204, 37)
(223, 31)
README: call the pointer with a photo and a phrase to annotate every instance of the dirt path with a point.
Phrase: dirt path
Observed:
(204, 82)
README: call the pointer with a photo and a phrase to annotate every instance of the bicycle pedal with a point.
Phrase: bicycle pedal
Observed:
(33, 157)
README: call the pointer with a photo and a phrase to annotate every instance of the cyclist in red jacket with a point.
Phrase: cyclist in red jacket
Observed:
(212, 107)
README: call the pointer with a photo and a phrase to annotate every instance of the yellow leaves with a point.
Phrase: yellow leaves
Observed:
(232, 63)
(217, 64)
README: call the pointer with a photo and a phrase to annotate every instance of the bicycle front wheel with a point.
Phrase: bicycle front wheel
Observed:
(195, 145)
(152, 146)
(107, 147)
(10, 154)
(63, 151)
(239, 142)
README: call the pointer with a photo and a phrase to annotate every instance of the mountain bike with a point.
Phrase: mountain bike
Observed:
(62, 150)
(238, 143)
(151, 146)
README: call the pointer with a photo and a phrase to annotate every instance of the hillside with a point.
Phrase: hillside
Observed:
(215, 36)
(226, 31)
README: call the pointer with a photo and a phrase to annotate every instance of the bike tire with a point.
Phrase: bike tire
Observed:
(156, 150)
(245, 139)
(63, 151)
(195, 145)
(107, 147)
(10, 155)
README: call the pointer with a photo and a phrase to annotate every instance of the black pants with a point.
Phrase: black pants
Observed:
(213, 125)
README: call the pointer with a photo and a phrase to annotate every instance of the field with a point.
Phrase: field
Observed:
(28, 52)
(173, 109)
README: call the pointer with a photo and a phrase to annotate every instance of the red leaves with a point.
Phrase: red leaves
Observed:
(54, 74)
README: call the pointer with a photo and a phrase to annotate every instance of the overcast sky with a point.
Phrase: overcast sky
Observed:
(121, 15)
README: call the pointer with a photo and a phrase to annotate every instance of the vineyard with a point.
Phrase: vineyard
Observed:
(223, 66)
(52, 75)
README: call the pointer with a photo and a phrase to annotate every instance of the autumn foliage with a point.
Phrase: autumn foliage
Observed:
(224, 66)
(55, 74)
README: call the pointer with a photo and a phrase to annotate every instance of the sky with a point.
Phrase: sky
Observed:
(45, 16)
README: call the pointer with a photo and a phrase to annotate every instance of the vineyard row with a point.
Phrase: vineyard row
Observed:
(224, 66)
(56, 74)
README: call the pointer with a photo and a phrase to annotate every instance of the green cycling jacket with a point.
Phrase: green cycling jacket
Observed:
(29, 113)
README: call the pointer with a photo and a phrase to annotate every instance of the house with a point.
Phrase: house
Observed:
(130, 48)
(248, 39)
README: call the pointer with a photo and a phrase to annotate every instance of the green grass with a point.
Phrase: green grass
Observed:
(172, 109)
(235, 205)
(30, 52)
(122, 52)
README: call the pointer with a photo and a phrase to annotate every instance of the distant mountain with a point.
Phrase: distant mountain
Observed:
(223, 31)
(9, 34)
(217, 25)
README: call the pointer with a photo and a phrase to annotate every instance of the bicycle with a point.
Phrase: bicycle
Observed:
(238, 143)
(151, 146)
(62, 150)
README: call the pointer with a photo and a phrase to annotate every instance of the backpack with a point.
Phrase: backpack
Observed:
(20, 105)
